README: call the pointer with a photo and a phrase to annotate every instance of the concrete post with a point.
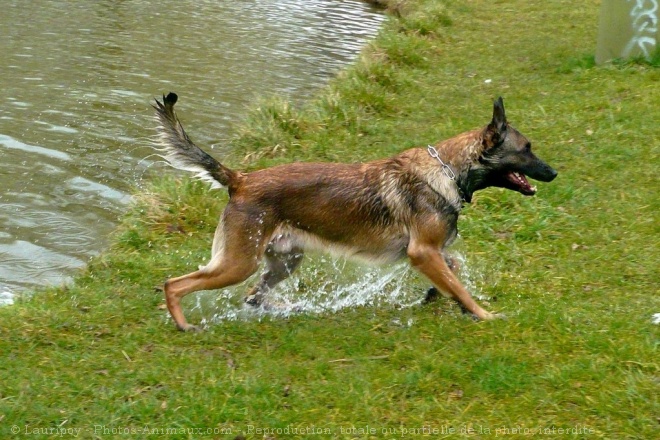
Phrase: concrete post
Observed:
(628, 28)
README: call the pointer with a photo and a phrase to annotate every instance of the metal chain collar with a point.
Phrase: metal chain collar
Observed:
(446, 169)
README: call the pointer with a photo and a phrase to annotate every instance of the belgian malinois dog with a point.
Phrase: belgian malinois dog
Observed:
(380, 211)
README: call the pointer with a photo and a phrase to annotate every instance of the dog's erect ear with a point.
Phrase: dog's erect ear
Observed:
(497, 127)
(499, 117)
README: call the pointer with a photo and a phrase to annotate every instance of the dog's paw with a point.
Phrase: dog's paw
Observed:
(255, 299)
(431, 295)
(189, 328)
(490, 317)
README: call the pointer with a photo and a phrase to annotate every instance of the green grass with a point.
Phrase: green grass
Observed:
(575, 268)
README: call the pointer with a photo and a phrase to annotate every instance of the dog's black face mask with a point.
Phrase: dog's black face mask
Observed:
(508, 160)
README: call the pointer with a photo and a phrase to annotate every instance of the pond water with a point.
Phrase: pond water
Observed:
(77, 81)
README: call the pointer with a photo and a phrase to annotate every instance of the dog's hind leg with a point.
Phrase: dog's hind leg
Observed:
(218, 274)
(234, 262)
(279, 266)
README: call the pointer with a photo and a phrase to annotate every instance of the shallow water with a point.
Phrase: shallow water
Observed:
(77, 81)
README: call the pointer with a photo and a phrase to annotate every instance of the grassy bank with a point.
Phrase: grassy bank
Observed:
(575, 268)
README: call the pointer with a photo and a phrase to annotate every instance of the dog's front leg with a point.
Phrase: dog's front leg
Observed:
(426, 258)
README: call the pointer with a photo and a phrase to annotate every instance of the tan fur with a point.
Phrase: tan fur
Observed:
(463, 149)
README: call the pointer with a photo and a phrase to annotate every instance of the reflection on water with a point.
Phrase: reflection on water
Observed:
(77, 79)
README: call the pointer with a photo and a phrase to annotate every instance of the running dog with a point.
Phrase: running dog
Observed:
(405, 206)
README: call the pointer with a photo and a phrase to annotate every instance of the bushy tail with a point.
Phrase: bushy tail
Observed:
(182, 153)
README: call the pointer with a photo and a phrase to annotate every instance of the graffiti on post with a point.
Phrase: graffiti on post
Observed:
(644, 16)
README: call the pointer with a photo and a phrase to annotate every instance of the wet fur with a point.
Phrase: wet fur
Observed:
(379, 211)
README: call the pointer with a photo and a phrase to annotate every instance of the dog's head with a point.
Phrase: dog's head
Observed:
(507, 159)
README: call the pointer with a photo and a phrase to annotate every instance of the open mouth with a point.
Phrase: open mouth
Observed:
(520, 183)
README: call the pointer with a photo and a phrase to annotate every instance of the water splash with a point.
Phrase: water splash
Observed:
(327, 285)
(323, 285)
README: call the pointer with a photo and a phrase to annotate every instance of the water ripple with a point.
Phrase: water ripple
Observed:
(10, 142)
(24, 263)
(77, 113)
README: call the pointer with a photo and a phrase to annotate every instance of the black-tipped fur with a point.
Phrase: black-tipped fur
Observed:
(182, 153)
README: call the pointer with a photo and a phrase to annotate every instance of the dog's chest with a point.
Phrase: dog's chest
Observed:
(446, 188)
